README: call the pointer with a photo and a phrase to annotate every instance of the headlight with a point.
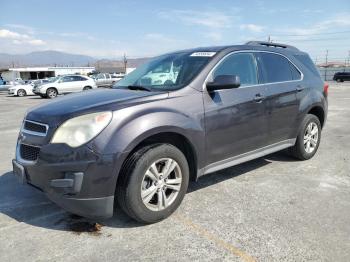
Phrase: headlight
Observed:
(80, 130)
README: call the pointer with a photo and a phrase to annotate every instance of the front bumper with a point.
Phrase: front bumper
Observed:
(79, 180)
(11, 92)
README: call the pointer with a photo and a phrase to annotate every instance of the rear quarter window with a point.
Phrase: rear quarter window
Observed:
(307, 62)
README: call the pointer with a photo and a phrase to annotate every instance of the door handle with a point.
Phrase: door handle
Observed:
(258, 98)
(300, 88)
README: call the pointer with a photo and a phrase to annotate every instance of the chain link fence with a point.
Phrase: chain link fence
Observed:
(328, 73)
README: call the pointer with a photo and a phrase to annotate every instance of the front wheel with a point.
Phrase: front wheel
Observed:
(51, 93)
(153, 183)
(308, 139)
(21, 92)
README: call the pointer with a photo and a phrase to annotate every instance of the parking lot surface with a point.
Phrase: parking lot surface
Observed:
(271, 209)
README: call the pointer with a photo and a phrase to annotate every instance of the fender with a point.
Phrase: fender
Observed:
(131, 126)
(309, 101)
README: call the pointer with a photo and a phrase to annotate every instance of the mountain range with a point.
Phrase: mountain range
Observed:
(56, 58)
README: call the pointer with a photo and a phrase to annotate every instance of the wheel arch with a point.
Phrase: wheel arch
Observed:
(176, 139)
(318, 112)
(51, 87)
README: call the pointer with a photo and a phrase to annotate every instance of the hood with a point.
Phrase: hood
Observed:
(69, 106)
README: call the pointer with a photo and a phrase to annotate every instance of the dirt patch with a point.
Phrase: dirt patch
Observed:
(85, 227)
(79, 225)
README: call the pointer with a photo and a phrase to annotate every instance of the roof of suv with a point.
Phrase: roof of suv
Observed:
(252, 45)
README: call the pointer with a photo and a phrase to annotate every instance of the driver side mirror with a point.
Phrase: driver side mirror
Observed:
(224, 82)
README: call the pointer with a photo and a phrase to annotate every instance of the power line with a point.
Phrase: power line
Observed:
(316, 39)
(326, 33)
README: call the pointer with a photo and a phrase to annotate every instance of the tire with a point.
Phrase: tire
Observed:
(339, 80)
(134, 181)
(51, 92)
(87, 88)
(21, 92)
(307, 144)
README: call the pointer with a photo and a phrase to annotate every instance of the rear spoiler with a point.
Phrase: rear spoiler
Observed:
(269, 44)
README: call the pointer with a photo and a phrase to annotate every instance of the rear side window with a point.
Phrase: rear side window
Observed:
(307, 62)
(240, 64)
(67, 79)
(80, 78)
(276, 68)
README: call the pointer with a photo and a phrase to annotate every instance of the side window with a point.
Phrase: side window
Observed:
(239, 64)
(276, 68)
(295, 72)
(67, 79)
(307, 62)
(80, 78)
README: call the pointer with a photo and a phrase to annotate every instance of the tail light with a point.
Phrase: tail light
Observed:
(325, 88)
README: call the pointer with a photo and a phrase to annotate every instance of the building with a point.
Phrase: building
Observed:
(30, 73)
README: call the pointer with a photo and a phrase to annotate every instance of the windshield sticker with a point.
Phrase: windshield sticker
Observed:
(204, 54)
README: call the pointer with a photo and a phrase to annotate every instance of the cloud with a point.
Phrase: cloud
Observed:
(252, 27)
(7, 34)
(340, 22)
(17, 38)
(28, 29)
(36, 42)
(210, 19)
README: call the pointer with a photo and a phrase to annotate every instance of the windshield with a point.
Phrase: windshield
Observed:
(167, 72)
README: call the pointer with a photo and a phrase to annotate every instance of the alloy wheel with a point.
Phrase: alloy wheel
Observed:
(52, 93)
(311, 137)
(161, 184)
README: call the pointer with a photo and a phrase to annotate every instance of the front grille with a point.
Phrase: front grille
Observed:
(35, 127)
(29, 153)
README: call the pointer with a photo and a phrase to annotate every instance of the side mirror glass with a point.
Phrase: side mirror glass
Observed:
(224, 82)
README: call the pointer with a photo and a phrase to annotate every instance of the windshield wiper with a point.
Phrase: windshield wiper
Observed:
(136, 87)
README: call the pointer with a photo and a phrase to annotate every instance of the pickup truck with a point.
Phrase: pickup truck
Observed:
(105, 79)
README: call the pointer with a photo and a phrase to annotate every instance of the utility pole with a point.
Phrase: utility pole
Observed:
(325, 71)
(125, 62)
(269, 39)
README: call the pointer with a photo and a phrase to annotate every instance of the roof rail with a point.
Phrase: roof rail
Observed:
(270, 44)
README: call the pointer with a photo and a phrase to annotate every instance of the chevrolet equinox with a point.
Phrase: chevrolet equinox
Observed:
(177, 117)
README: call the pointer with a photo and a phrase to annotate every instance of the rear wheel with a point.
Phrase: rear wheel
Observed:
(21, 92)
(339, 80)
(51, 92)
(153, 183)
(87, 88)
(308, 139)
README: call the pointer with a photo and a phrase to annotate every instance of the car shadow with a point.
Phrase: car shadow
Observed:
(26, 204)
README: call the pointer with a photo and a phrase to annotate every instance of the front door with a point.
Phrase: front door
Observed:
(235, 119)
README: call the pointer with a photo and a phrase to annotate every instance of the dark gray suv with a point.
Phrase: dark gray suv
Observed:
(178, 117)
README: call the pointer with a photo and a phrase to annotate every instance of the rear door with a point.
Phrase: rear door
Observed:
(79, 83)
(66, 84)
(235, 119)
(284, 89)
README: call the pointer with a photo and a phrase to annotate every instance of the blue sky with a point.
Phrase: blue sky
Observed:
(146, 28)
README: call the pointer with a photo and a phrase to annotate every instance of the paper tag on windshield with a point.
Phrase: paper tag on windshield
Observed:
(204, 54)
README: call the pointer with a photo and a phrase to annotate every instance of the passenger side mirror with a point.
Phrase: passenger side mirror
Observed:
(224, 82)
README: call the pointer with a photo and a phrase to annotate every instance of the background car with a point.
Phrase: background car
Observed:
(105, 79)
(64, 85)
(21, 90)
(341, 76)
